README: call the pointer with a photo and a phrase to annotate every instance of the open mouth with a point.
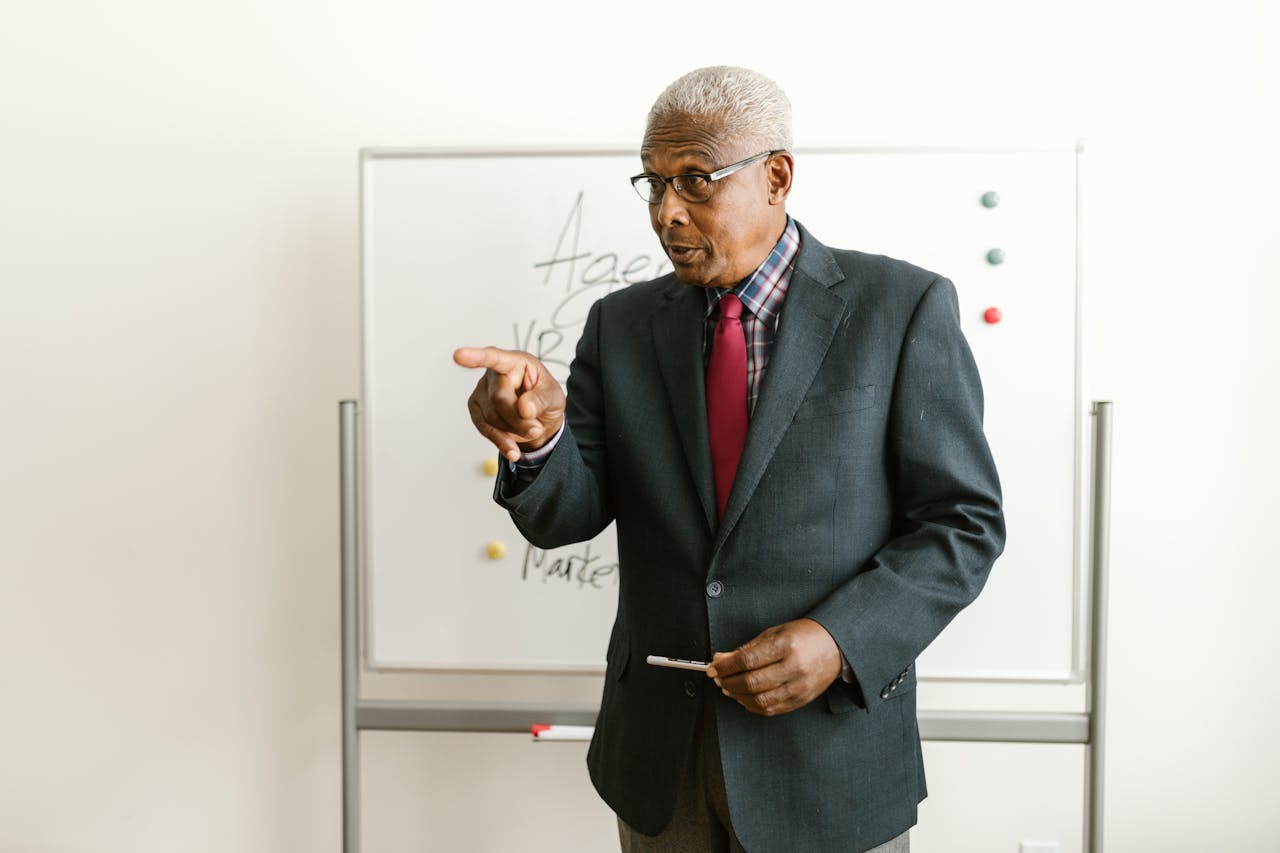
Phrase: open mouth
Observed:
(682, 254)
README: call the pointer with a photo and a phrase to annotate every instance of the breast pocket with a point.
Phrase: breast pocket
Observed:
(836, 402)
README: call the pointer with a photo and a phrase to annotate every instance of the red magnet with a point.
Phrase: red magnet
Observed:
(993, 315)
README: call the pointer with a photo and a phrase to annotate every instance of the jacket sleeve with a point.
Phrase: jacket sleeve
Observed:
(948, 526)
(567, 500)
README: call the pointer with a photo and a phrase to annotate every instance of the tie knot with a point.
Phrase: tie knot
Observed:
(730, 306)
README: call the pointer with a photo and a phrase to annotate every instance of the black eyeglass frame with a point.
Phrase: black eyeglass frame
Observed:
(709, 177)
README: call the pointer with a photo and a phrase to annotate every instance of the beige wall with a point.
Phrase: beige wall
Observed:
(179, 316)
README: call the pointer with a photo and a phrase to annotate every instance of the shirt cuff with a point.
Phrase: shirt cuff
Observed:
(537, 458)
(846, 673)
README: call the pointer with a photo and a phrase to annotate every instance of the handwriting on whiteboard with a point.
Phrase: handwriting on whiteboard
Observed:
(582, 276)
(581, 568)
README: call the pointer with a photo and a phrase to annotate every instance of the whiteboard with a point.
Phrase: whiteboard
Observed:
(510, 248)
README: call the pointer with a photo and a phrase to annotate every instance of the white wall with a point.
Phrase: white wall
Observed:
(179, 317)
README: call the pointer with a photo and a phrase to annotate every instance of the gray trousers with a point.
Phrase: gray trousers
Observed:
(701, 820)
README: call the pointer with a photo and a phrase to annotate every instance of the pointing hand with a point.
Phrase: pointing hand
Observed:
(517, 404)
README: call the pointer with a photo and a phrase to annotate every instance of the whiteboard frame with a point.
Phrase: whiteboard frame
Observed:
(1076, 674)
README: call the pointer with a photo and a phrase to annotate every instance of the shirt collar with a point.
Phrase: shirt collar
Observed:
(762, 291)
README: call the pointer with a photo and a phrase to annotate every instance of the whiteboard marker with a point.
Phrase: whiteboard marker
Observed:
(677, 663)
(544, 732)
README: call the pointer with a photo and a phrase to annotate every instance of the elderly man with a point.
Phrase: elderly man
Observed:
(790, 440)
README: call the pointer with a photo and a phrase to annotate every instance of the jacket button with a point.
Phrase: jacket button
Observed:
(715, 589)
(884, 694)
(689, 689)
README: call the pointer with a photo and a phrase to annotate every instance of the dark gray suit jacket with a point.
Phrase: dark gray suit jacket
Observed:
(866, 499)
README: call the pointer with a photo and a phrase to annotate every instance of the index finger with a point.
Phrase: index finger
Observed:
(493, 358)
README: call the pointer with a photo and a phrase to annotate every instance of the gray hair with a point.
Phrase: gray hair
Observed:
(750, 105)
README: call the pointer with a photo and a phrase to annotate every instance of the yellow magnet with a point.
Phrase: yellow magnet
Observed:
(496, 550)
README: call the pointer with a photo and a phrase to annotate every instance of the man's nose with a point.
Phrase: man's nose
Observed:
(671, 208)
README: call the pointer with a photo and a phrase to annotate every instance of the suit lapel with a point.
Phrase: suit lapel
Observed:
(678, 328)
(810, 316)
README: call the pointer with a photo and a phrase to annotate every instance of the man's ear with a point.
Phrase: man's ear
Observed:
(779, 170)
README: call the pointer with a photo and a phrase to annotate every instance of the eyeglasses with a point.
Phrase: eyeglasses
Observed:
(692, 187)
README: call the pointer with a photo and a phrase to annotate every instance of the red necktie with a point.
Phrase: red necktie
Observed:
(727, 397)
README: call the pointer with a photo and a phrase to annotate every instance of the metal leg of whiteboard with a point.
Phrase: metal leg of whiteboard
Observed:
(1100, 558)
(350, 637)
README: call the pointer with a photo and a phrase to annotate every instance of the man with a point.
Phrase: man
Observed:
(790, 440)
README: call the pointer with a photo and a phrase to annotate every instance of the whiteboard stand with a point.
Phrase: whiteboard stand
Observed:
(360, 715)
(1096, 703)
(349, 503)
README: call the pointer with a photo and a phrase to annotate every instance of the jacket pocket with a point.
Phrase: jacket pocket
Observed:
(618, 655)
(836, 402)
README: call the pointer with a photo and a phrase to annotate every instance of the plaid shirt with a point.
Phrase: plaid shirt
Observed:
(761, 293)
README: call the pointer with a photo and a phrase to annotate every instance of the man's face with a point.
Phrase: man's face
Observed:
(718, 242)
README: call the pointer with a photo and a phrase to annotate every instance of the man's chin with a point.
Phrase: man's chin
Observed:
(696, 278)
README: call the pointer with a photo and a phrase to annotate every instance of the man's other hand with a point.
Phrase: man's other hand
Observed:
(517, 404)
(782, 669)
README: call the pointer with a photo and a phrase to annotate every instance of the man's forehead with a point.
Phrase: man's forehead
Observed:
(686, 137)
(654, 150)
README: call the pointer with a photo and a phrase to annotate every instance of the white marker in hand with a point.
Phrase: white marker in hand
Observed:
(676, 663)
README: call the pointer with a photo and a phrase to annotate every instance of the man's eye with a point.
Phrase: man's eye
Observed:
(694, 187)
